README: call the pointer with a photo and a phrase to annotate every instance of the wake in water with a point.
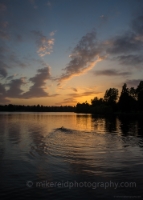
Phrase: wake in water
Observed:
(65, 130)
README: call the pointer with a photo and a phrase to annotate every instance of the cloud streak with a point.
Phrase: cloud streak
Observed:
(110, 72)
(131, 59)
(88, 93)
(83, 58)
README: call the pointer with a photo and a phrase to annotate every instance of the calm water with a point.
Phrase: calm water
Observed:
(88, 158)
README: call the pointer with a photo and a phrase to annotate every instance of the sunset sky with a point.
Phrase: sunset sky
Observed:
(60, 52)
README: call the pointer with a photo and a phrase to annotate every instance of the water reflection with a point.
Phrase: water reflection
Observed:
(130, 126)
(88, 148)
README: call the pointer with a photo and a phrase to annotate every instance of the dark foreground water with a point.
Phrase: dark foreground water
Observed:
(87, 158)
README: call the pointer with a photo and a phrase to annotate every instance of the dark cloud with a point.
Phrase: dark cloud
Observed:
(11, 77)
(3, 99)
(36, 90)
(39, 84)
(111, 72)
(83, 57)
(131, 59)
(2, 89)
(13, 58)
(3, 72)
(137, 25)
(129, 45)
(123, 44)
(3, 69)
(10, 59)
(15, 90)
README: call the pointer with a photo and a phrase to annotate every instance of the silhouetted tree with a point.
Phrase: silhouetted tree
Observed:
(124, 99)
(96, 101)
(133, 99)
(111, 97)
(139, 92)
(83, 107)
(127, 101)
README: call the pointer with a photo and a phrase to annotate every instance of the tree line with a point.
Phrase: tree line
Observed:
(129, 101)
(36, 108)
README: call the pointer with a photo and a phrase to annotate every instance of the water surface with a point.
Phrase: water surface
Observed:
(70, 156)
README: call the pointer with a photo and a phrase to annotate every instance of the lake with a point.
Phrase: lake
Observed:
(70, 156)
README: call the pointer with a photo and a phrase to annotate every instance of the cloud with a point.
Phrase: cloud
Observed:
(10, 59)
(13, 58)
(53, 95)
(3, 99)
(45, 45)
(15, 90)
(128, 45)
(131, 59)
(11, 77)
(137, 25)
(39, 83)
(3, 72)
(83, 58)
(133, 82)
(74, 89)
(67, 101)
(110, 72)
(36, 90)
(3, 69)
(2, 89)
(125, 43)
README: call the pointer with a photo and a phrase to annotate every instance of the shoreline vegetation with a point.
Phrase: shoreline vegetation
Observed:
(130, 102)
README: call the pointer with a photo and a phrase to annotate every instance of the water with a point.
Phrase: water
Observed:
(70, 156)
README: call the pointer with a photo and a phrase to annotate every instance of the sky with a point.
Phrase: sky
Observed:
(61, 52)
